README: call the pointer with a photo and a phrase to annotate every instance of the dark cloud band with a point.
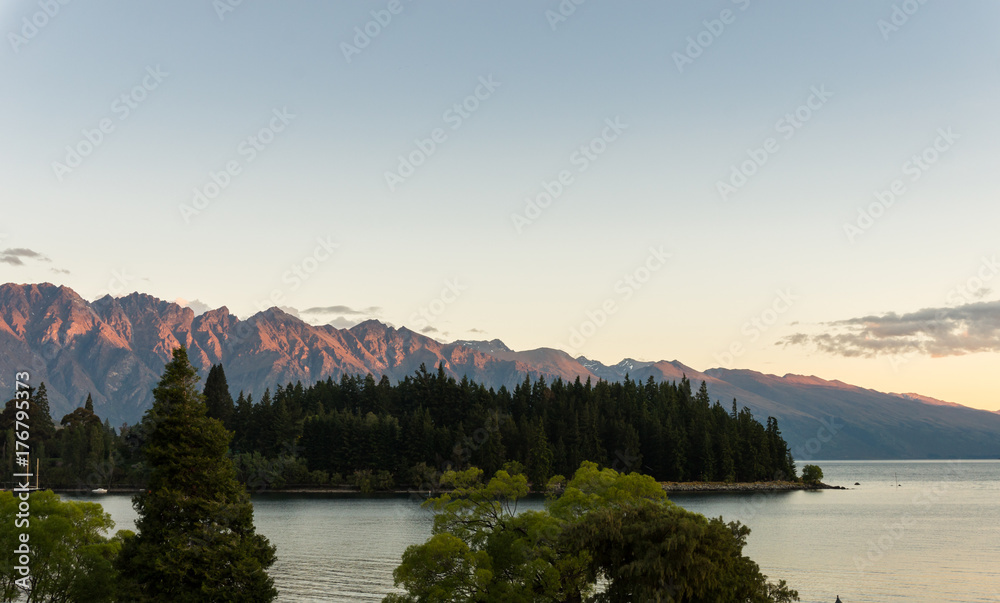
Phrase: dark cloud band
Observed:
(14, 256)
(950, 331)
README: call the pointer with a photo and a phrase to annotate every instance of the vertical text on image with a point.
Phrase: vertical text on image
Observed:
(22, 520)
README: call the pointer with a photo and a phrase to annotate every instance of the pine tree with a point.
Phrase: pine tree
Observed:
(217, 396)
(540, 456)
(41, 420)
(283, 430)
(195, 536)
(702, 396)
(241, 422)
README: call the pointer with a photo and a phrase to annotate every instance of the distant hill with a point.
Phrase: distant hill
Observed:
(115, 350)
(875, 425)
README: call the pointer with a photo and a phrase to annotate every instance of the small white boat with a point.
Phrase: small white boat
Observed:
(99, 491)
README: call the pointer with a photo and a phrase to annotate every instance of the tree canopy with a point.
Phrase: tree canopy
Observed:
(377, 435)
(71, 559)
(604, 536)
(812, 474)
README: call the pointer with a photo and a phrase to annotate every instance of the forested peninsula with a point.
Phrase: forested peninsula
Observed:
(359, 433)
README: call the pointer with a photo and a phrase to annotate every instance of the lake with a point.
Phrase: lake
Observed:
(933, 537)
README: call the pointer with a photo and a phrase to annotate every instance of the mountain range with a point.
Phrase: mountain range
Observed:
(115, 348)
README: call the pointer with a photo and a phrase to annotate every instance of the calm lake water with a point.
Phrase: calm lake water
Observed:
(935, 537)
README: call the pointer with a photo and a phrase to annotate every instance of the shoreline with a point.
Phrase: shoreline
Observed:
(723, 487)
(669, 487)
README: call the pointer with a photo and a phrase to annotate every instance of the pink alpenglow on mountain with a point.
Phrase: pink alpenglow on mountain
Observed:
(115, 349)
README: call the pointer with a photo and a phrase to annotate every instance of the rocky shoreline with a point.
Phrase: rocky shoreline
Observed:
(744, 486)
(669, 487)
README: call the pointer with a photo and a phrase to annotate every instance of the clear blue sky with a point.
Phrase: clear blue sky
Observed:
(198, 86)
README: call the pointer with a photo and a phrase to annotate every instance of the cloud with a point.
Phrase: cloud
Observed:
(14, 256)
(476, 331)
(934, 332)
(199, 307)
(290, 310)
(26, 253)
(435, 333)
(342, 310)
(342, 323)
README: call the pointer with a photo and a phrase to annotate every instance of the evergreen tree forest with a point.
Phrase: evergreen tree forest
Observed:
(195, 538)
(76, 451)
(377, 435)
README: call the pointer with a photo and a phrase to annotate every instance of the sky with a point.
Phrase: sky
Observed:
(786, 187)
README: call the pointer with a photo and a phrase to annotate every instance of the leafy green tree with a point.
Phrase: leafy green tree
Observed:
(369, 481)
(483, 550)
(648, 552)
(602, 527)
(812, 474)
(196, 539)
(71, 559)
